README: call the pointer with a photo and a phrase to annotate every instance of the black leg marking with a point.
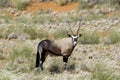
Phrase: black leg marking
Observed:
(65, 60)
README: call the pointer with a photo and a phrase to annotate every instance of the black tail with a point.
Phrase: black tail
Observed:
(37, 59)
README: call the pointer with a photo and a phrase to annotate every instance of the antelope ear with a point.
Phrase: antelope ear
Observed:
(69, 35)
(80, 35)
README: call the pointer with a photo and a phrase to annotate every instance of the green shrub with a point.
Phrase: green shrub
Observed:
(1, 34)
(1, 56)
(31, 31)
(71, 66)
(22, 50)
(114, 37)
(22, 4)
(19, 4)
(55, 67)
(60, 34)
(85, 5)
(94, 16)
(6, 17)
(88, 38)
(5, 3)
(21, 58)
(8, 31)
(61, 2)
(22, 19)
(115, 2)
(41, 34)
(41, 18)
(104, 72)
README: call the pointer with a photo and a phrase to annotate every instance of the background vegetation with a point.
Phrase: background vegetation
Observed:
(96, 57)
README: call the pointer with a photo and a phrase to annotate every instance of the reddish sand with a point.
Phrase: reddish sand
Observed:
(35, 6)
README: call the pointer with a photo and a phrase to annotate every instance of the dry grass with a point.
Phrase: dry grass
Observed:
(88, 62)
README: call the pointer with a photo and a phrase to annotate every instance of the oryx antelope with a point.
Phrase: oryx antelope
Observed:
(62, 47)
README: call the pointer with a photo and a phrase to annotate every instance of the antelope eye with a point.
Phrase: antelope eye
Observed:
(69, 35)
(80, 35)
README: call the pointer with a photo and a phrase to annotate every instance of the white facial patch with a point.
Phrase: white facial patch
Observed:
(74, 38)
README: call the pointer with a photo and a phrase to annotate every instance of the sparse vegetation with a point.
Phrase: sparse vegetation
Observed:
(60, 34)
(89, 38)
(115, 2)
(41, 34)
(55, 67)
(41, 18)
(21, 54)
(31, 31)
(114, 37)
(88, 61)
(85, 5)
(104, 72)
(5, 3)
(6, 18)
(94, 16)
(21, 4)
(63, 2)
(1, 56)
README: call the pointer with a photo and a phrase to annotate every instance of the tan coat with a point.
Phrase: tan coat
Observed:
(62, 46)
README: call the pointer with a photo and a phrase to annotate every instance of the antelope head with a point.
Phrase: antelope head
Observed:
(73, 36)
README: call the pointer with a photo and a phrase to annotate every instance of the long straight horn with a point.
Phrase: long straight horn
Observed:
(70, 28)
(78, 28)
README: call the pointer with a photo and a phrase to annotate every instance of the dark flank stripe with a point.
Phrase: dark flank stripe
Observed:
(54, 53)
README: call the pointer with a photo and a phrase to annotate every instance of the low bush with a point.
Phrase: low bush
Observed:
(88, 38)
(63, 2)
(1, 34)
(19, 4)
(104, 72)
(6, 18)
(86, 4)
(55, 67)
(41, 18)
(21, 58)
(115, 2)
(114, 37)
(60, 34)
(41, 34)
(31, 31)
(22, 4)
(5, 3)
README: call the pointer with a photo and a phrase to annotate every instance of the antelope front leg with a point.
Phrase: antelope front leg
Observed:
(65, 60)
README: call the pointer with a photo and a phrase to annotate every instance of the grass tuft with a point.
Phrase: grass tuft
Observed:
(104, 72)
(87, 38)
(22, 4)
(41, 34)
(85, 4)
(60, 34)
(21, 58)
(55, 67)
(114, 37)
(31, 31)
